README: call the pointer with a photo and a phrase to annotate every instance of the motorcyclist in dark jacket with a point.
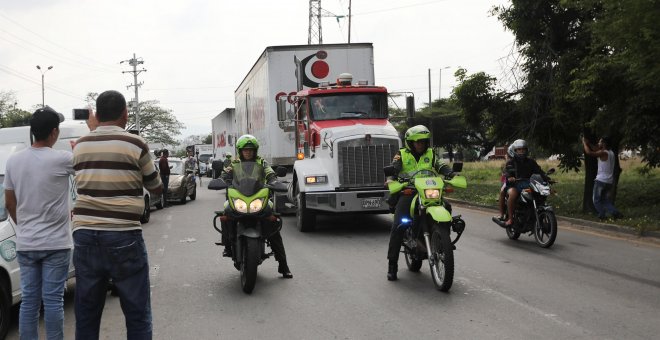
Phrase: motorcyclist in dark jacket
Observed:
(417, 155)
(518, 171)
(247, 147)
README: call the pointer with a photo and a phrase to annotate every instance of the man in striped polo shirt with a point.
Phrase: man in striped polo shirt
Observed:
(112, 166)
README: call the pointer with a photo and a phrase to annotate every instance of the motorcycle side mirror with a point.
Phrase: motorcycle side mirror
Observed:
(217, 184)
(389, 170)
(551, 171)
(277, 186)
(457, 167)
(280, 171)
(217, 166)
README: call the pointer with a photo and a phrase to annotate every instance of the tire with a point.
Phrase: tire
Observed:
(182, 200)
(249, 263)
(194, 194)
(442, 270)
(545, 232)
(512, 233)
(146, 214)
(414, 265)
(5, 308)
(161, 202)
(305, 218)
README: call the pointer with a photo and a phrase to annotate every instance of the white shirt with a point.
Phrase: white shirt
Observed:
(40, 179)
(606, 169)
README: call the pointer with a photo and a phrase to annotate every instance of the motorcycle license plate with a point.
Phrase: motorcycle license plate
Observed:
(371, 203)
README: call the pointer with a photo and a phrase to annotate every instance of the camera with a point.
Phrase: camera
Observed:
(80, 114)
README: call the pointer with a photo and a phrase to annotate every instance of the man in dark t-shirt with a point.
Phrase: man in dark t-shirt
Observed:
(164, 167)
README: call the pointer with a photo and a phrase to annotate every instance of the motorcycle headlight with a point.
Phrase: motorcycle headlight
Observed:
(256, 205)
(240, 205)
(432, 193)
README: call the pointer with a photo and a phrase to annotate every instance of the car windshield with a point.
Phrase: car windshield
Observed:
(176, 167)
(204, 158)
(349, 106)
(3, 211)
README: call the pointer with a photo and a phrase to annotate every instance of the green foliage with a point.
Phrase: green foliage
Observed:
(15, 117)
(157, 124)
(208, 139)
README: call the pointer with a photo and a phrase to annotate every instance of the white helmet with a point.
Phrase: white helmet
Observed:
(520, 144)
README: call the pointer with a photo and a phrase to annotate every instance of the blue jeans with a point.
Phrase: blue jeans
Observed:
(43, 276)
(166, 183)
(121, 256)
(602, 201)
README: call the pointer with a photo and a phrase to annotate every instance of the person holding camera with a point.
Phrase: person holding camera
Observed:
(112, 167)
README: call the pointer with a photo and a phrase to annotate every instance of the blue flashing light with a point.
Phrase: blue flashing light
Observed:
(405, 220)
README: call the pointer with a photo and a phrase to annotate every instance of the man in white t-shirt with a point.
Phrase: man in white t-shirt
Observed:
(36, 195)
(604, 177)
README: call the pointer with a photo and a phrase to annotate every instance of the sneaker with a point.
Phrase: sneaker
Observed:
(226, 252)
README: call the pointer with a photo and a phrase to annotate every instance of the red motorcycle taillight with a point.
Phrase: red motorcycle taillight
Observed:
(407, 192)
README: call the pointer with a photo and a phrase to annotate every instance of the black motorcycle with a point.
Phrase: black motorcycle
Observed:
(532, 214)
(248, 219)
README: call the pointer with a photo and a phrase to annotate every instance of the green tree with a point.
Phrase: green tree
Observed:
(208, 139)
(157, 124)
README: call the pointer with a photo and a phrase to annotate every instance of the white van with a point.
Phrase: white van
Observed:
(13, 140)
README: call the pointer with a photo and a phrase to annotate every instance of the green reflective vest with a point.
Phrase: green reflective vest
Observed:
(410, 164)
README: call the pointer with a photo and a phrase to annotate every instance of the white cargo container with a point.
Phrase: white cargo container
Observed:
(274, 74)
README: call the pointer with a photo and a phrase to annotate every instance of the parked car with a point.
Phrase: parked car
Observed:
(151, 201)
(182, 182)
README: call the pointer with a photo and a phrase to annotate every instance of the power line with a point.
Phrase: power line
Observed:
(400, 7)
(29, 79)
(64, 48)
(135, 62)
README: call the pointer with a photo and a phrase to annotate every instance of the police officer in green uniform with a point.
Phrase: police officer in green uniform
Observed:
(247, 147)
(417, 155)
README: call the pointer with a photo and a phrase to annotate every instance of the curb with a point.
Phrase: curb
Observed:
(575, 221)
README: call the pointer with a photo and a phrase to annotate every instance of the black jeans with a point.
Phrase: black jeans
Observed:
(166, 182)
(396, 235)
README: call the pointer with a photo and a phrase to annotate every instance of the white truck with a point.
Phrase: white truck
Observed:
(335, 132)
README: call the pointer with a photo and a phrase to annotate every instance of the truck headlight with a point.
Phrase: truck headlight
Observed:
(432, 193)
(240, 205)
(256, 205)
(316, 179)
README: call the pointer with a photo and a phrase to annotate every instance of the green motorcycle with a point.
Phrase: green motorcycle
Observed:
(248, 218)
(428, 234)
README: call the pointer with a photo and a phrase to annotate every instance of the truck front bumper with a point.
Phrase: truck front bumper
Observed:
(373, 201)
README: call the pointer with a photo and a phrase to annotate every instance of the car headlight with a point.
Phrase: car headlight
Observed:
(432, 193)
(240, 205)
(256, 205)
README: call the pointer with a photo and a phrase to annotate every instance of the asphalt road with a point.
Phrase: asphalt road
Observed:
(587, 286)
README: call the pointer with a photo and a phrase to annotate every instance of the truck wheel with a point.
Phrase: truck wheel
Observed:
(305, 218)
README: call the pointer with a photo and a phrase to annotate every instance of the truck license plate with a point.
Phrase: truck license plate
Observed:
(371, 203)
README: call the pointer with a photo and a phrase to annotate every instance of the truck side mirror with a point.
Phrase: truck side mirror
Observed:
(281, 108)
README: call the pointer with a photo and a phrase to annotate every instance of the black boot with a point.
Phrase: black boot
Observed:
(283, 269)
(392, 268)
(227, 251)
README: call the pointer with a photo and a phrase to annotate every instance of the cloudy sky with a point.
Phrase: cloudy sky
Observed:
(196, 52)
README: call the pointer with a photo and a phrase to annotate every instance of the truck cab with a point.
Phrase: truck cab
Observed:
(343, 140)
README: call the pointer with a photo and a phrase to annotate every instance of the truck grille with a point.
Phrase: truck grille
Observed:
(361, 164)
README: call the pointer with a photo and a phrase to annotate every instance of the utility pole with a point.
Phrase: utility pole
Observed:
(349, 21)
(430, 109)
(314, 22)
(42, 84)
(135, 62)
(440, 82)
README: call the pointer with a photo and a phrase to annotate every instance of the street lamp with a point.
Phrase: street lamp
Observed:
(440, 81)
(42, 82)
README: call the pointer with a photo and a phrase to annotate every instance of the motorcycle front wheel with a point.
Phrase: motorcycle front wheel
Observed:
(442, 251)
(545, 232)
(249, 263)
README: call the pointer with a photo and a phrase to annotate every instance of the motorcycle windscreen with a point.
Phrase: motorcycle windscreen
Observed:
(248, 177)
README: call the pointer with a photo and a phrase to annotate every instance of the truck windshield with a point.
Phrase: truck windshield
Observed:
(349, 106)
